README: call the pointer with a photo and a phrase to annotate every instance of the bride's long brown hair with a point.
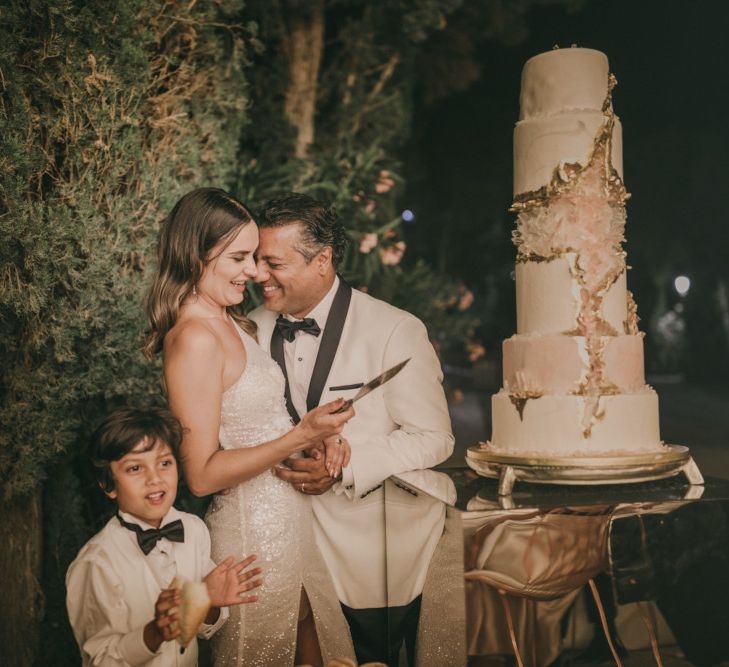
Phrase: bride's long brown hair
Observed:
(199, 221)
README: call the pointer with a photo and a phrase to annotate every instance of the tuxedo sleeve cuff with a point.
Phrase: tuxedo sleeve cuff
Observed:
(206, 631)
(347, 476)
(133, 650)
(346, 484)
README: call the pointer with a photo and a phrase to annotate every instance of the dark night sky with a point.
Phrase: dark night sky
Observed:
(672, 64)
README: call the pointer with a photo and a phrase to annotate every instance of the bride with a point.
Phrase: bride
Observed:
(229, 396)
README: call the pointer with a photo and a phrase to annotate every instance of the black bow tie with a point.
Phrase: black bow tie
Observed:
(288, 329)
(147, 539)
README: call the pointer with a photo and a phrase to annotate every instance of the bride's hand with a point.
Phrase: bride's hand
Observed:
(322, 422)
(338, 453)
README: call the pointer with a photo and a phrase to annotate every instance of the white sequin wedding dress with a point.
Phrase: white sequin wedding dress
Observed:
(266, 516)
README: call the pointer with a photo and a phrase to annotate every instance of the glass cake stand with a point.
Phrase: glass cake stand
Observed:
(630, 469)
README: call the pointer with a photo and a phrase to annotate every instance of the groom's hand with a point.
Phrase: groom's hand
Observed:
(307, 475)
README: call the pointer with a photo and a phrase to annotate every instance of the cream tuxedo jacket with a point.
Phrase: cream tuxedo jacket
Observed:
(403, 425)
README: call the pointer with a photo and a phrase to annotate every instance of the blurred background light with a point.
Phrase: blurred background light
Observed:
(682, 285)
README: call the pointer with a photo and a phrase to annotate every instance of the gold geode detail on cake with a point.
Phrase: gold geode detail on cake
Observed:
(592, 300)
(631, 323)
(595, 385)
(592, 415)
(566, 174)
(537, 259)
(520, 398)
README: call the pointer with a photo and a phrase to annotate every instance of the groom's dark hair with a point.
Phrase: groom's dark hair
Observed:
(319, 224)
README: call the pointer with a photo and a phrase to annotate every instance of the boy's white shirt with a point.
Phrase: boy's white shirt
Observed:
(112, 588)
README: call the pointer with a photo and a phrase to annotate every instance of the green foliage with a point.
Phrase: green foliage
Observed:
(365, 94)
(109, 112)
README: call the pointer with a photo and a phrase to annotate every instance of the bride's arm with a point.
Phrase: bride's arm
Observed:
(194, 365)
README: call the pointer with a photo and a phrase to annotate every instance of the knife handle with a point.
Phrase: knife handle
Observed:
(344, 407)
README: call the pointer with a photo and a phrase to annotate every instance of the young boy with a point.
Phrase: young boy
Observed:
(121, 608)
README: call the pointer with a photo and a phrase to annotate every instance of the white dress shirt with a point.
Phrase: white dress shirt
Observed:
(300, 354)
(300, 357)
(112, 588)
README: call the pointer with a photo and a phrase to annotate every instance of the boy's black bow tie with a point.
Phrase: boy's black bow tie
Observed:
(288, 329)
(147, 539)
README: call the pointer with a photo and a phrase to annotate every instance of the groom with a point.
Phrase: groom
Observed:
(330, 339)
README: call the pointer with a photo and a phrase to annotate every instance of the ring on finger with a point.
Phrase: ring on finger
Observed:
(303, 487)
(339, 441)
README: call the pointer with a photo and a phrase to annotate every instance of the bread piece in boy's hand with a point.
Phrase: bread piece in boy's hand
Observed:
(193, 608)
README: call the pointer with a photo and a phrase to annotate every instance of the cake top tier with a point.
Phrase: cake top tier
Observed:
(563, 80)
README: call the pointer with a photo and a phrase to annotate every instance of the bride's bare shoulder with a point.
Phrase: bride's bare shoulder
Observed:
(192, 336)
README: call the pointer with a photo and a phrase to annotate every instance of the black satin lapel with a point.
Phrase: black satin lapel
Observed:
(329, 344)
(277, 353)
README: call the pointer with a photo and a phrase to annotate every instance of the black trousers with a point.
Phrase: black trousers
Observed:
(379, 632)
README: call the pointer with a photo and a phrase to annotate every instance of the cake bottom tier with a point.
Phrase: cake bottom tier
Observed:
(552, 425)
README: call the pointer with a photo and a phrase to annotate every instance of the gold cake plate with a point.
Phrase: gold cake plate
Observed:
(629, 469)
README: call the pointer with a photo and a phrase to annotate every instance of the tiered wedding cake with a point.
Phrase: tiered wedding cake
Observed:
(573, 374)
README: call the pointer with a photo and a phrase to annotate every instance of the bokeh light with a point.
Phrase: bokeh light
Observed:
(682, 285)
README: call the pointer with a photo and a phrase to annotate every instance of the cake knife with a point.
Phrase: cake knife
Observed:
(373, 384)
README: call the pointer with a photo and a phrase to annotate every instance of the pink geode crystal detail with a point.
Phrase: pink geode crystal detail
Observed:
(581, 220)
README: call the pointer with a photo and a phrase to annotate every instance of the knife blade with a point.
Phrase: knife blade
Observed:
(373, 384)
